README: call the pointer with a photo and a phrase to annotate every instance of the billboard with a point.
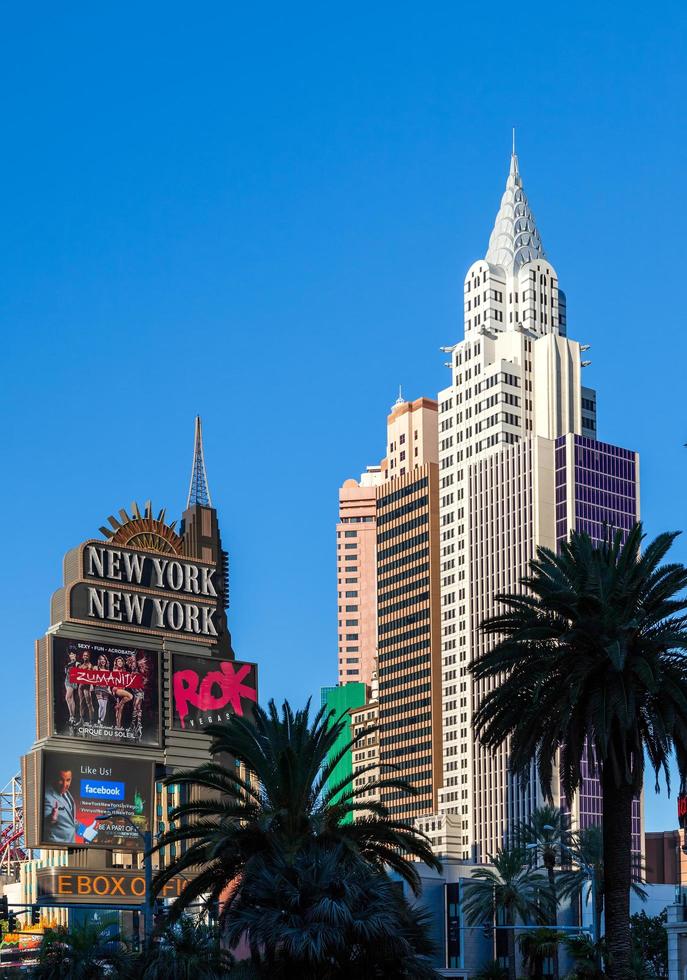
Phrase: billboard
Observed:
(105, 693)
(83, 886)
(80, 787)
(206, 690)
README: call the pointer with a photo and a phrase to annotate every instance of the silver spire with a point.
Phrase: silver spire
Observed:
(515, 239)
(198, 491)
(400, 400)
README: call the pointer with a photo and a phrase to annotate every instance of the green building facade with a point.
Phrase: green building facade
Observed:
(341, 699)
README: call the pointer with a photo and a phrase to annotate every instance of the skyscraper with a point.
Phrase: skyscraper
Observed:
(356, 570)
(519, 466)
(388, 581)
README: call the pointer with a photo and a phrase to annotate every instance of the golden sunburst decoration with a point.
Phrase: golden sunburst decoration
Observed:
(143, 531)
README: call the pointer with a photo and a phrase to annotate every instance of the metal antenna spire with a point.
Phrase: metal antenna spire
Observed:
(400, 400)
(198, 491)
(513, 140)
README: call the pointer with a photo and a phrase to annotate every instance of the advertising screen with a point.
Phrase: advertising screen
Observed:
(90, 800)
(104, 693)
(205, 691)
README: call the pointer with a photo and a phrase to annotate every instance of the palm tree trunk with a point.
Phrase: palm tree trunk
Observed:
(598, 911)
(510, 922)
(617, 835)
(554, 918)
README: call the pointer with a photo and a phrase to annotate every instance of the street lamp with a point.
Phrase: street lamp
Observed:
(589, 871)
(147, 838)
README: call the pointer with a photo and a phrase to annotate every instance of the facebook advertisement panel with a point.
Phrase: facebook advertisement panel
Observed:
(95, 801)
(105, 693)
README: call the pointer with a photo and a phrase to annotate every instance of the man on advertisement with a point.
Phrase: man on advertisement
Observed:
(59, 810)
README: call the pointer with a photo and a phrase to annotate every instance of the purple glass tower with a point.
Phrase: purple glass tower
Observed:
(596, 492)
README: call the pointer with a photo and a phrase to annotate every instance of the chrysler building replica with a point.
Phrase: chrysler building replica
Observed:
(519, 466)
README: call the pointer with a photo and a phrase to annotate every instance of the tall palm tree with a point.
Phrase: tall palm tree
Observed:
(546, 833)
(277, 803)
(590, 663)
(508, 886)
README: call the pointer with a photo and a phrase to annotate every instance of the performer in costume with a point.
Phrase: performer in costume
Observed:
(70, 687)
(122, 696)
(102, 692)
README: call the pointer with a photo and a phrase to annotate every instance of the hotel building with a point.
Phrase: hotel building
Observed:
(388, 541)
(519, 466)
(356, 558)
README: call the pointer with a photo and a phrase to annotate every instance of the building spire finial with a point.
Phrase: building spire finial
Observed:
(198, 491)
(515, 239)
(514, 170)
(400, 400)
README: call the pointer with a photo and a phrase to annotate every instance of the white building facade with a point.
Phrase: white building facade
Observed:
(519, 467)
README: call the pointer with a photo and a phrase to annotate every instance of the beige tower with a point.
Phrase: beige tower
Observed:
(519, 467)
(356, 571)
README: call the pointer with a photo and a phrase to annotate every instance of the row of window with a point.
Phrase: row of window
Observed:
(407, 491)
(386, 595)
(408, 620)
(412, 600)
(401, 511)
(406, 573)
(403, 637)
(400, 529)
(410, 648)
(403, 546)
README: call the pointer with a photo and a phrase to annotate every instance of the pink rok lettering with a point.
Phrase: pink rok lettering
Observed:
(190, 690)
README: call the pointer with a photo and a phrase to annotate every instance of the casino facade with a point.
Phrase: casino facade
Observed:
(137, 660)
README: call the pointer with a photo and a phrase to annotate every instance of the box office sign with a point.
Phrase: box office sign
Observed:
(119, 587)
(105, 693)
(90, 800)
(64, 886)
(206, 690)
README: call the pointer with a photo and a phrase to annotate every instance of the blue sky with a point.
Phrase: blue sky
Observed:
(263, 213)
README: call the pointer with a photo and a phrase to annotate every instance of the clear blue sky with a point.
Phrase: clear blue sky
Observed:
(264, 213)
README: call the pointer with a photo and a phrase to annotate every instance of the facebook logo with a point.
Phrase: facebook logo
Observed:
(101, 789)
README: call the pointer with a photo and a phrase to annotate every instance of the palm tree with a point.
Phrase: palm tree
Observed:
(282, 805)
(81, 953)
(491, 971)
(325, 915)
(537, 946)
(547, 833)
(586, 850)
(589, 662)
(508, 886)
(586, 956)
(184, 950)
